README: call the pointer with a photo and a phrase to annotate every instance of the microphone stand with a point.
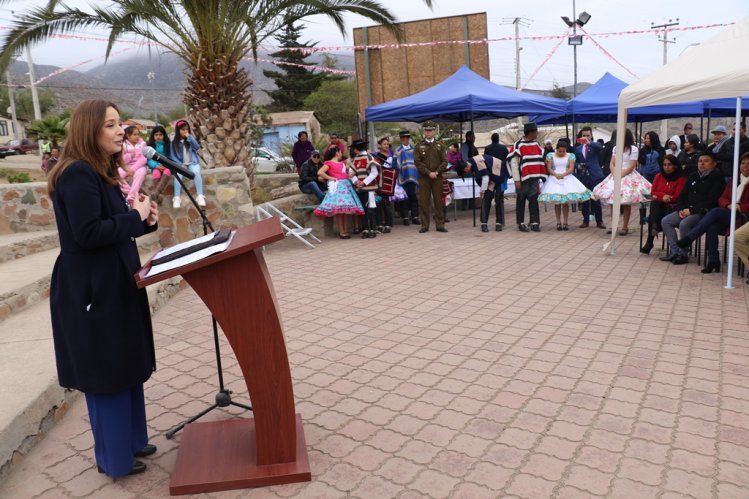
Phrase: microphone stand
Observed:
(223, 397)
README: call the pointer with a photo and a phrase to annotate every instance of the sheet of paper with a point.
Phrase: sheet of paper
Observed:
(186, 244)
(192, 257)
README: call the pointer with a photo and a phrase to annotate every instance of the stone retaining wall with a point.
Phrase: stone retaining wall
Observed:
(26, 207)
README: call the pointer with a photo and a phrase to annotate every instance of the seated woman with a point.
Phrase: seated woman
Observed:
(665, 191)
(717, 220)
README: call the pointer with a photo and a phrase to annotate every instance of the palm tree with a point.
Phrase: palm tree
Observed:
(51, 128)
(211, 37)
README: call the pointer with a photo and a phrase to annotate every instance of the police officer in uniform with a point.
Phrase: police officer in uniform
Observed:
(430, 158)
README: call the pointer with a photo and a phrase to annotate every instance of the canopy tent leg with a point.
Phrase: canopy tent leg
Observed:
(732, 232)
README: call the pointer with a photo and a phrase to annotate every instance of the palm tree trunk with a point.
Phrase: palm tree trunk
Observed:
(219, 104)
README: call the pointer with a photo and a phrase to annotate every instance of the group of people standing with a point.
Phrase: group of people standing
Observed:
(367, 185)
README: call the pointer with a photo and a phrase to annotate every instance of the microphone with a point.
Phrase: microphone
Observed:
(150, 153)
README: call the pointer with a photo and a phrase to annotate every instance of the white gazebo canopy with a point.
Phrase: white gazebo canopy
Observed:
(717, 68)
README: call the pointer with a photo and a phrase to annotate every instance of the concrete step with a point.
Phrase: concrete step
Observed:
(25, 281)
(32, 400)
(18, 245)
(31, 396)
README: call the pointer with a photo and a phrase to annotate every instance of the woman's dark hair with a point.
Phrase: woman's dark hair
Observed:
(678, 171)
(330, 153)
(129, 130)
(743, 157)
(673, 160)
(178, 127)
(152, 141)
(299, 135)
(383, 139)
(82, 143)
(563, 143)
(655, 140)
(629, 139)
(455, 145)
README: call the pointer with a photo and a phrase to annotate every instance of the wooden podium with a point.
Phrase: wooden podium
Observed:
(268, 449)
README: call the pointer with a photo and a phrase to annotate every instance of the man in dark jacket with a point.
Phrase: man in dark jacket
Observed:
(308, 181)
(701, 194)
(588, 171)
(690, 154)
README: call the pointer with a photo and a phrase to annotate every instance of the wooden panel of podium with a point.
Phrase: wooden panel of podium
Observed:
(269, 448)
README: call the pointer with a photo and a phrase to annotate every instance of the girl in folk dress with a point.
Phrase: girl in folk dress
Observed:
(634, 186)
(562, 187)
(341, 199)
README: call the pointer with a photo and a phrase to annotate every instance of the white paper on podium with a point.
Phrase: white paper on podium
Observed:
(192, 257)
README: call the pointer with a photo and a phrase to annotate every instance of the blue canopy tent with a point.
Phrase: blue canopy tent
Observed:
(598, 104)
(464, 96)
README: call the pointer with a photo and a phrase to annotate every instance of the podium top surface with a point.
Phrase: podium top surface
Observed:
(245, 239)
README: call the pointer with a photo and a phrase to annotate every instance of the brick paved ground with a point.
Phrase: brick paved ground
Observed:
(477, 376)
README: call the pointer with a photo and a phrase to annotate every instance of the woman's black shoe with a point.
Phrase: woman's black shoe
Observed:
(138, 467)
(146, 451)
(711, 267)
(484, 228)
(647, 247)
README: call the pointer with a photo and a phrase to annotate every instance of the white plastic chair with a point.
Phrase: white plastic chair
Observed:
(267, 210)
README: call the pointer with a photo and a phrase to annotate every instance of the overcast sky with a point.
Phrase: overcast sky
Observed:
(640, 53)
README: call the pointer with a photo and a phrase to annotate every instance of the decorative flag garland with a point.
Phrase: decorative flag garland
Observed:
(606, 53)
(312, 50)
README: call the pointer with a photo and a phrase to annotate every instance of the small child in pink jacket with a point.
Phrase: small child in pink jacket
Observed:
(135, 163)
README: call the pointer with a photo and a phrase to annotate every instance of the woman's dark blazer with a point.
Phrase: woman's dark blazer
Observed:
(101, 321)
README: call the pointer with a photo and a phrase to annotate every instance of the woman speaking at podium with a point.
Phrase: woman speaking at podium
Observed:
(101, 321)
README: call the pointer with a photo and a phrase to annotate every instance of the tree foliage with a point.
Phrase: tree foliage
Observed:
(25, 104)
(559, 92)
(211, 37)
(52, 128)
(335, 104)
(293, 82)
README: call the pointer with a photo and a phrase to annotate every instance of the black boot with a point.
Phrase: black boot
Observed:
(372, 221)
(648, 245)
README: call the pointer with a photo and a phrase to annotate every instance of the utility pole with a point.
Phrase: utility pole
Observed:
(666, 41)
(517, 21)
(34, 94)
(12, 99)
(32, 77)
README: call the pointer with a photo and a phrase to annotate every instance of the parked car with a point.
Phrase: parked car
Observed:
(21, 146)
(267, 161)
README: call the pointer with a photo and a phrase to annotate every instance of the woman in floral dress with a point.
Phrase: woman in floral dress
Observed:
(634, 186)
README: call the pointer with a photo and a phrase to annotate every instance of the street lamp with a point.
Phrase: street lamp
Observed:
(575, 39)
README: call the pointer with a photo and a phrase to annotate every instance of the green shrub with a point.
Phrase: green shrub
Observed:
(5, 172)
(260, 195)
(19, 178)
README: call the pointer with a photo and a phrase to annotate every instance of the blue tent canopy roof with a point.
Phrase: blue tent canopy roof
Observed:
(464, 96)
(598, 104)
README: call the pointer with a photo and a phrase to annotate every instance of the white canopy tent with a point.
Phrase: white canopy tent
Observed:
(715, 69)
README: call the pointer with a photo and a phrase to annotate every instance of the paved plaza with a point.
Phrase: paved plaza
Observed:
(466, 365)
